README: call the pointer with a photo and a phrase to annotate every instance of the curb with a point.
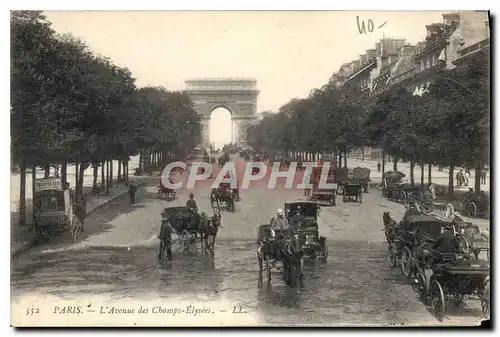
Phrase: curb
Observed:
(30, 244)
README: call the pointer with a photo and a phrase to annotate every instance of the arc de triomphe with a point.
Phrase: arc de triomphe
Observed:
(237, 95)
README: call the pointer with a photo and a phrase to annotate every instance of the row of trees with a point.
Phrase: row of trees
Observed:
(447, 126)
(72, 106)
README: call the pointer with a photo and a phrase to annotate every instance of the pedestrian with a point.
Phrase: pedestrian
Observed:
(132, 189)
(483, 176)
(467, 176)
(165, 237)
(379, 166)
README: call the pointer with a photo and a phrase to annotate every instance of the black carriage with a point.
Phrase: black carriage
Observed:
(455, 280)
(351, 192)
(303, 217)
(223, 195)
(274, 246)
(186, 224)
(418, 230)
(392, 181)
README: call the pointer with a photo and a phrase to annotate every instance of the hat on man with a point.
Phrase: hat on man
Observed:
(280, 211)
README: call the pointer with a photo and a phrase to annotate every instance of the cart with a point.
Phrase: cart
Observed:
(54, 211)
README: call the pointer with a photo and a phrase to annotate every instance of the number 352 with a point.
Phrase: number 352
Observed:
(32, 311)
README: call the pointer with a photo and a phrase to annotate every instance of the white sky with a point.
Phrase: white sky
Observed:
(289, 53)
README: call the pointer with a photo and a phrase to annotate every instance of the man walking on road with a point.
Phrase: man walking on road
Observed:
(165, 238)
(379, 166)
(131, 191)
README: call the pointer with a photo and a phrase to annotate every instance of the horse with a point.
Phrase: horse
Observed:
(210, 228)
(389, 225)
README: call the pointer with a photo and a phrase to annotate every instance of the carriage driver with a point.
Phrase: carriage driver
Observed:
(191, 204)
(165, 236)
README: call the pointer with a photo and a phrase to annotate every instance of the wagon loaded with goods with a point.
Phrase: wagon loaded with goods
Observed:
(361, 175)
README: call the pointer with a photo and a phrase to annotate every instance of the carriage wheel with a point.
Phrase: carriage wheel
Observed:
(437, 298)
(268, 268)
(391, 256)
(294, 276)
(406, 266)
(485, 300)
(324, 251)
(184, 239)
(471, 210)
(75, 228)
(420, 289)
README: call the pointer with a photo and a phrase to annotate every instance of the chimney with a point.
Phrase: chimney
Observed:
(371, 54)
(355, 65)
(378, 48)
(451, 19)
(363, 59)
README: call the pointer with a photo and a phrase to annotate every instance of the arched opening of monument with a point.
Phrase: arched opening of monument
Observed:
(220, 127)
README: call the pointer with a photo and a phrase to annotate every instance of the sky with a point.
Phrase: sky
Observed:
(289, 53)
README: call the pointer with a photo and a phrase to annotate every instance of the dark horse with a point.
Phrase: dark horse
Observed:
(293, 262)
(209, 229)
(389, 225)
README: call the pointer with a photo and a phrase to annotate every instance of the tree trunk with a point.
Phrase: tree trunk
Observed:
(76, 180)
(450, 181)
(412, 173)
(126, 169)
(46, 168)
(64, 173)
(33, 206)
(340, 158)
(140, 161)
(125, 174)
(81, 175)
(107, 176)
(119, 177)
(111, 172)
(477, 178)
(363, 153)
(103, 179)
(422, 176)
(345, 159)
(96, 171)
(429, 175)
(383, 168)
(22, 192)
(395, 168)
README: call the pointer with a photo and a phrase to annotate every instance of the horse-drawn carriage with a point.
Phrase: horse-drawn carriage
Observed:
(361, 175)
(223, 194)
(274, 246)
(352, 191)
(303, 217)
(392, 181)
(54, 210)
(334, 177)
(475, 205)
(439, 257)
(188, 224)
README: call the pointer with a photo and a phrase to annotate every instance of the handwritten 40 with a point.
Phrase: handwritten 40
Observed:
(370, 25)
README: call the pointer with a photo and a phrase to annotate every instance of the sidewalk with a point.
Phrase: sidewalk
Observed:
(437, 177)
(21, 237)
